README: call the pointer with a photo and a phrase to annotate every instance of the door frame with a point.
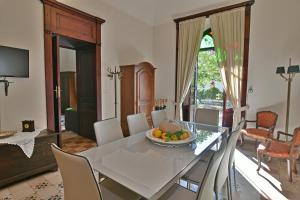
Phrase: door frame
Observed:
(58, 20)
(56, 81)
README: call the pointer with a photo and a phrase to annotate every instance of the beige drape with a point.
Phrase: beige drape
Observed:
(228, 31)
(190, 34)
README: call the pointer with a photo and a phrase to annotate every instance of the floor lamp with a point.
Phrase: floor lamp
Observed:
(113, 74)
(291, 72)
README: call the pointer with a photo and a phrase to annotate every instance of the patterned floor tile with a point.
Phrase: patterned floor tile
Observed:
(19, 187)
(7, 197)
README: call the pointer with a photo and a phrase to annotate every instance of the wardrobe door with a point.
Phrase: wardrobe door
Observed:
(144, 83)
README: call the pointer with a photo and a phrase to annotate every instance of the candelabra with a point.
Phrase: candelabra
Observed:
(291, 72)
(113, 74)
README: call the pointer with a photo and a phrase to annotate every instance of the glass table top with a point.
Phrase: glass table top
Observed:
(145, 167)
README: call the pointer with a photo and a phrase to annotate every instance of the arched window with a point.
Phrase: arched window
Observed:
(207, 42)
(207, 85)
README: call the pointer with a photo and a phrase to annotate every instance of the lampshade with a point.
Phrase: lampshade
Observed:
(280, 70)
(293, 69)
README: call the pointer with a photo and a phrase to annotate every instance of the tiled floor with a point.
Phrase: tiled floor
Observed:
(45, 187)
(73, 143)
(273, 175)
(49, 186)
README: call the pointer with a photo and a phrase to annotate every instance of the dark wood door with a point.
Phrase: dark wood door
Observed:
(86, 90)
(227, 113)
(56, 83)
(144, 78)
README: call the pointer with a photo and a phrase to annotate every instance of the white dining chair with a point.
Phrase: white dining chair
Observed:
(158, 116)
(206, 190)
(108, 131)
(137, 123)
(232, 158)
(224, 169)
(207, 116)
(79, 181)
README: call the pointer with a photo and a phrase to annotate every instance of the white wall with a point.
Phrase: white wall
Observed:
(164, 52)
(21, 25)
(125, 40)
(274, 38)
(275, 31)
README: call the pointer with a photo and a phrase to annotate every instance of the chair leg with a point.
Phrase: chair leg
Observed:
(295, 166)
(242, 139)
(289, 168)
(229, 194)
(234, 175)
(230, 182)
(259, 158)
(217, 195)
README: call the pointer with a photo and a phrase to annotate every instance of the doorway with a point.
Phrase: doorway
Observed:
(206, 90)
(75, 95)
(68, 80)
(69, 28)
(74, 65)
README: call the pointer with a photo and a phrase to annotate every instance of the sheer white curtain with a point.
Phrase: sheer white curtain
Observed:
(228, 29)
(190, 34)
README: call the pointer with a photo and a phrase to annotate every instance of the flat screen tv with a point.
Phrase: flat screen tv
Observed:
(14, 62)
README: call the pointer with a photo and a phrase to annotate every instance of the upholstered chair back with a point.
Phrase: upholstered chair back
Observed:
(108, 131)
(158, 116)
(296, 137)
(266, 119)
(206, 190)
(223, 169)
(78, 178)
(137, 123)
(207, 116)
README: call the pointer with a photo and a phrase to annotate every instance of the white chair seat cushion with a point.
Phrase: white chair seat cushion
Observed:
(197, 173)
(177, 192)
(112, 190)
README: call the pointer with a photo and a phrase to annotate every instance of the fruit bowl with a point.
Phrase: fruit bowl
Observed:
(5, 134)
(177, 138)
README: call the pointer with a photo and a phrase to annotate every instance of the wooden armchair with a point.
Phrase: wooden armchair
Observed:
(279, 149)
(265, 125)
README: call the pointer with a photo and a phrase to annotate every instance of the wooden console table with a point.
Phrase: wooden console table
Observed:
(16, 166)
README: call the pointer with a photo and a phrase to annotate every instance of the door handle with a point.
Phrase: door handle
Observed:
(57, 92)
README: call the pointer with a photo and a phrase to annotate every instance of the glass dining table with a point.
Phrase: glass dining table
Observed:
(147, 168)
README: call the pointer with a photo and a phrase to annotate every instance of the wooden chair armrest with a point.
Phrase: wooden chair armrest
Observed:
(250, 121)
(282, 133)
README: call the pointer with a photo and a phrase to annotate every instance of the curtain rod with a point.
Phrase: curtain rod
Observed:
(217, 10)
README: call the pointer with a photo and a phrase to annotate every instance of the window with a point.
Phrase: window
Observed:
(207, 87)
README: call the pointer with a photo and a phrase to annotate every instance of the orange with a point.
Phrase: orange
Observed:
(157, 133)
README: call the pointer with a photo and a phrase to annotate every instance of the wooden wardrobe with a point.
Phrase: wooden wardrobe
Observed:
(137, 92)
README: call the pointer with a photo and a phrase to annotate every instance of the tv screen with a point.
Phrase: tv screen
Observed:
(14, 62)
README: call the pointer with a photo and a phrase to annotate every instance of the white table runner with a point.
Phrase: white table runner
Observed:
(25, 140)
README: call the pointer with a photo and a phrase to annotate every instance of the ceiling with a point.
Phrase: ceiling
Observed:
(156, 12)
